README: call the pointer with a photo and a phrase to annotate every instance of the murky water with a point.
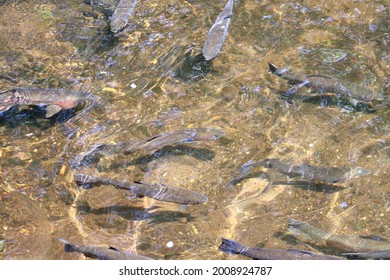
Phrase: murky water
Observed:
(136, 94)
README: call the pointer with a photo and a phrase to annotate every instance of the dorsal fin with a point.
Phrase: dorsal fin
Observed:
(376, 238)
(319, 75)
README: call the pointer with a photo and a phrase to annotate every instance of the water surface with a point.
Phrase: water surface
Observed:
(137, 95)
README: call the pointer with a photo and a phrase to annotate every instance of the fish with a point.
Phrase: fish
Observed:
(325, 84)
(123, 12)
(101, 253)
(217, 34)
(54, 99)
(347, 243)
(154, 143)
(375, 255)
(233, 247)
(156, 191)
(306, 171)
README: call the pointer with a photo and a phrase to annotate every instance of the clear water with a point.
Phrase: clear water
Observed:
(136, 94)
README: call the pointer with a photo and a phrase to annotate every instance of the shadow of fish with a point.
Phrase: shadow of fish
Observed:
(192, 68)
(156, 191)
(325, 84)
(154, 143)
(122, 14)
(54, 99)
(307, 172)
(217, 34)
(352, 243)
(101, 253)
(232, 247)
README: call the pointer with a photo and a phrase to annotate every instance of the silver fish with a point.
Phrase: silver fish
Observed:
(156, 142)
(218, 32)
(55, 99)
(232, 247)
(375, 255)
(101, 253)
(352, 243)
(155, 191)
(306, 171)
(123, 12)
(324, 84)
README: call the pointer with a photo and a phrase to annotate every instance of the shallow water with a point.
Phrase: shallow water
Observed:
(136, 94)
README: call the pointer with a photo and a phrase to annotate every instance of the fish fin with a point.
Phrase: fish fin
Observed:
(114, 249)
(84, 179)
(230, 246)
(51, 110)
(63, 240)
(319, 75)
(376, 238)
(67, 247)
(272, 68)
(132, 196)
(5, 108)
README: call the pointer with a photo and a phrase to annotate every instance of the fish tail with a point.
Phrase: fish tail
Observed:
(67, 247)
(230, 246)
(272, 68)
(85, 179)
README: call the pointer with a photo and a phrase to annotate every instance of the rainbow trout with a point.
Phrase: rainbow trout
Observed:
(54, 99)
(218, 32)
(156, 191)
(375, 255)
(324, 84)
(156, 142)
(352, 243)
(101, 253)
(232, 247)
(123, 12)
(306, 171)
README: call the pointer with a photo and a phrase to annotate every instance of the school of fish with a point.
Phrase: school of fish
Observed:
(55, 100)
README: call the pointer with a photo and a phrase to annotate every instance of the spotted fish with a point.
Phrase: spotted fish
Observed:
(375, 255)
(325, 84)
(155, 191)
(306, 171)
(101, 253)
(54, 99)
(218, 32)
(154, 143)
(232, 247)
(351, 243)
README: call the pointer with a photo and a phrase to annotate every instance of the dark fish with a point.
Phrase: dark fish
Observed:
(218, 32)
(155, 191)
(55, 99)
(123, 12)
(352, 243)
(156, 142)
(232, 247)
(324, 84)
(375, 255)
(102, 253)
(306, 171)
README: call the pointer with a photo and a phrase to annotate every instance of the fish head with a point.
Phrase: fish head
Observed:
(207, 133)
(358, 171)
